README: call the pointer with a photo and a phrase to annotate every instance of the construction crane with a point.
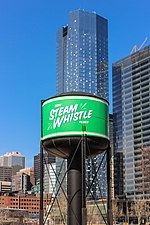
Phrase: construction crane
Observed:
(135, 48)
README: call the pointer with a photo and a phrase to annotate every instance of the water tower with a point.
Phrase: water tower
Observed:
(70, 123)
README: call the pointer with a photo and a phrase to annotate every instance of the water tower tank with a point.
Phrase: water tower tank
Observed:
(67, 117)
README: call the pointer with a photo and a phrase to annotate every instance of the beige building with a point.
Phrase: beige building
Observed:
(5, 186)
(23, 180)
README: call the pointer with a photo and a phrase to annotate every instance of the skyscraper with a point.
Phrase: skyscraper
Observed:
(48, 159)
(82, 55)
(82, 66)
(49, 178)
(131, 107)
(14, 160)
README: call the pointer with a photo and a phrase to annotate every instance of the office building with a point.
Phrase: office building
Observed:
(5, 186)
(82, 66)
(14, 160)
(5, 173)
(23, 180)
(82, 55)
(131, 107)
(118, 174)
(47, 159)
(30, 203)
(50, 178)
(37, 168)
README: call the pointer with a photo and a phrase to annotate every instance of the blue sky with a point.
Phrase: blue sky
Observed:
(28, 58)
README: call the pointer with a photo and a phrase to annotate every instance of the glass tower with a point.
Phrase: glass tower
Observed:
(82, 55)
(82, 66)
(131, 107)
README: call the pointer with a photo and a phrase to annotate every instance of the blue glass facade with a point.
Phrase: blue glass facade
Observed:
(82, 66)
(82, 55)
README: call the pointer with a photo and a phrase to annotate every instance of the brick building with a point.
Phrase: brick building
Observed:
(27, 202)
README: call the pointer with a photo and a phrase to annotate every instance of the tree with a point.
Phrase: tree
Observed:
(117, 210)
(139, 209)
(142, 169)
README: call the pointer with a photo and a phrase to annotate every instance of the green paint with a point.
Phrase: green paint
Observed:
(66, 116)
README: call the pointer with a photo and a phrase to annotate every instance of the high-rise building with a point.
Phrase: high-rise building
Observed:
(5, 173)
(37, 168)
(49, 178)
(131, 107)
(47, 159)
(82, 66)
(82, 55)
(14, 160)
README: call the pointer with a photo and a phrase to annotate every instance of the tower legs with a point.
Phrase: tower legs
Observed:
(74, 190)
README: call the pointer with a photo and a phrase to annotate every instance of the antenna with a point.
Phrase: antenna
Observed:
(135, 48)
(143, 43)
